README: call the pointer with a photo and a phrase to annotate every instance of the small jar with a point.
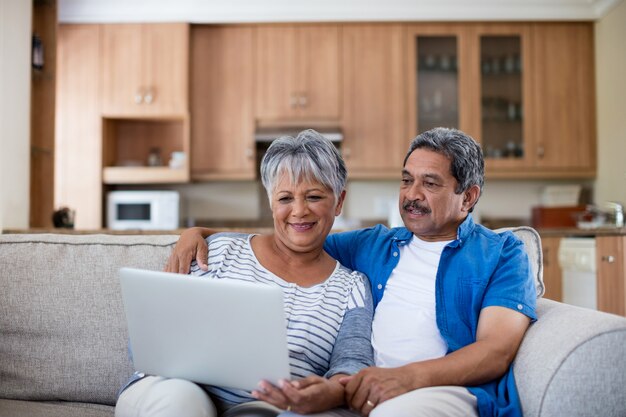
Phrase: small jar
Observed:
(154, 157)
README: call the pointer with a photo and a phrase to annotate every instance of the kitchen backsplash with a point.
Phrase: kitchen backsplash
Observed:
(365, 201)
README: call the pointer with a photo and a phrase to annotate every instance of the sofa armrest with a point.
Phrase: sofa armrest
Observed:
(572, 362)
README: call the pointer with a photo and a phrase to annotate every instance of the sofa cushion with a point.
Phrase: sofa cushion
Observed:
(62, 325)
(15, 408)
(532, 242)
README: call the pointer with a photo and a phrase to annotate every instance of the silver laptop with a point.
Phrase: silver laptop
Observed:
(219, 332)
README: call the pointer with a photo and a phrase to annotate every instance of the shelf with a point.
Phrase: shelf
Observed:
(144, 175)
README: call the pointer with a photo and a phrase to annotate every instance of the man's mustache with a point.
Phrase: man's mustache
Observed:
(415, 206)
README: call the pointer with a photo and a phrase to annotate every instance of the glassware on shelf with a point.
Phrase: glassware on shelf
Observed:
(501, 96)
(437, 82)
(154, 157)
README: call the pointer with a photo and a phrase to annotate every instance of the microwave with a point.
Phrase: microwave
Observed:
(145, 210)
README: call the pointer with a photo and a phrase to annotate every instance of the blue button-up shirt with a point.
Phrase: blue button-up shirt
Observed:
(479, 269)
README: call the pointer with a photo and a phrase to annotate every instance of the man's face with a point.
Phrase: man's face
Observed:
(428, 205)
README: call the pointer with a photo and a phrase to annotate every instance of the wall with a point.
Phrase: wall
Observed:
(610, 34)
(237, 11)
(15, 48)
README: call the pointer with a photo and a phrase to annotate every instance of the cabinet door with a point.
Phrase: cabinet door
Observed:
(222, 118)
(144, 71)
(165, 68)
(610, 255)
(437, 77)
(503, 52)
(297, 72)
(78, 150)
(374, 115)
(122, 77)
(276, 72)
(563, 97)
(552, 275)
(318, 95)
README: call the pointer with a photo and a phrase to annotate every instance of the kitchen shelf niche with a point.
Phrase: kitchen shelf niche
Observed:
(138, 151)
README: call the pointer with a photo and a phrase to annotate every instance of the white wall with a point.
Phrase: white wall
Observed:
(237, 11)
(610, 34)
(15, 48)
(500, 200)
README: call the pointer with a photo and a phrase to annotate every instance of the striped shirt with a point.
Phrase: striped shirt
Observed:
(328, 324)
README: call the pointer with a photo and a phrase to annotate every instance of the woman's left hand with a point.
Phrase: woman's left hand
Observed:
(308, 395)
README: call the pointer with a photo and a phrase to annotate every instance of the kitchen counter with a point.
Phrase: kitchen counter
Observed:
(129, 232)
(576, 232)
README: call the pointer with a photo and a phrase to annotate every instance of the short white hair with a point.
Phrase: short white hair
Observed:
(308, 156)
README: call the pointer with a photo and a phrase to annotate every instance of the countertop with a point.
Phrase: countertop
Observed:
(576, 232)
(547, 232)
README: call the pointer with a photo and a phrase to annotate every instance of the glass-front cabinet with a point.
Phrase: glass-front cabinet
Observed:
(501, 70)
(473, 77)
(437, 82)
(505, 120)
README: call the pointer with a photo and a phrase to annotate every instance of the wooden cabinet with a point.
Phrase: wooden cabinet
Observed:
(610, 263)
(78, 147)
(524, 90)
(222, 103)
(552, 274)
(374, 110)
(563, 99)
(297, 72)
(145, 69)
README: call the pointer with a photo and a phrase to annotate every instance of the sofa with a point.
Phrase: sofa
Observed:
(63, 339)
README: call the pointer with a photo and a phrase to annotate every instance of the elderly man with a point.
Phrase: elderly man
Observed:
(453, 299)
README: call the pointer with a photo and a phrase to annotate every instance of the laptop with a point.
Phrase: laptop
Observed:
(219, 332)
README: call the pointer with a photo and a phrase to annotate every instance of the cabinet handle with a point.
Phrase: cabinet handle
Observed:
(138, 97)
(294, 101)
(610, 259)
(303, 101)
(249, 153)
(345, 152)
(541, 151)
(148, 97)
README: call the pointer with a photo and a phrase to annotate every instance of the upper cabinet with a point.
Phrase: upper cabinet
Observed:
(503, 60)
(145, 69)
(222, 103)
(374, 111)
(524, 91)
(563, 98)
(297, 72)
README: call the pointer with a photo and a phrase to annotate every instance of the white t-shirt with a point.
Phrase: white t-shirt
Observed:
(405, 326)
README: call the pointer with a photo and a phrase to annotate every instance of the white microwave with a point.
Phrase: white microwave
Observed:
(145, 210)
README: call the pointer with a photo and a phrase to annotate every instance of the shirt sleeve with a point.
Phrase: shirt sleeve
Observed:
(512, 285)
(345, 246)
(353, 346)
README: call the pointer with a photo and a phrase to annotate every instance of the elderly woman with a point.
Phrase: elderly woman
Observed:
(328, 307)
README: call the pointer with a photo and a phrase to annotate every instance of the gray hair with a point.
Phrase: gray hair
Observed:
(467, 164)
(308, 156)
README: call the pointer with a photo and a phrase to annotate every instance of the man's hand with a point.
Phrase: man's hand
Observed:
(312, 394)
(191, 245)
(371, 386)
(498, 336)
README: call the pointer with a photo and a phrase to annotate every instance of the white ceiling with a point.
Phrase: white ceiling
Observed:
(240, 11)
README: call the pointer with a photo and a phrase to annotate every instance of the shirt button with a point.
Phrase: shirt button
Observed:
(519, 306)
(395, 254)
(380, 286)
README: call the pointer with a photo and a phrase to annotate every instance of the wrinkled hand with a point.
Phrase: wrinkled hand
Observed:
(312, 394)
(191, 245)
(372, 386)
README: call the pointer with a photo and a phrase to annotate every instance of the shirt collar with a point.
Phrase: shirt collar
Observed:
(403, 234)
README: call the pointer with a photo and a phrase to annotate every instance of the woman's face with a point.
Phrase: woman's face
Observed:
(303, 213)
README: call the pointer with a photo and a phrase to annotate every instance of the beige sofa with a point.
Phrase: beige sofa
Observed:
(63, 341)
